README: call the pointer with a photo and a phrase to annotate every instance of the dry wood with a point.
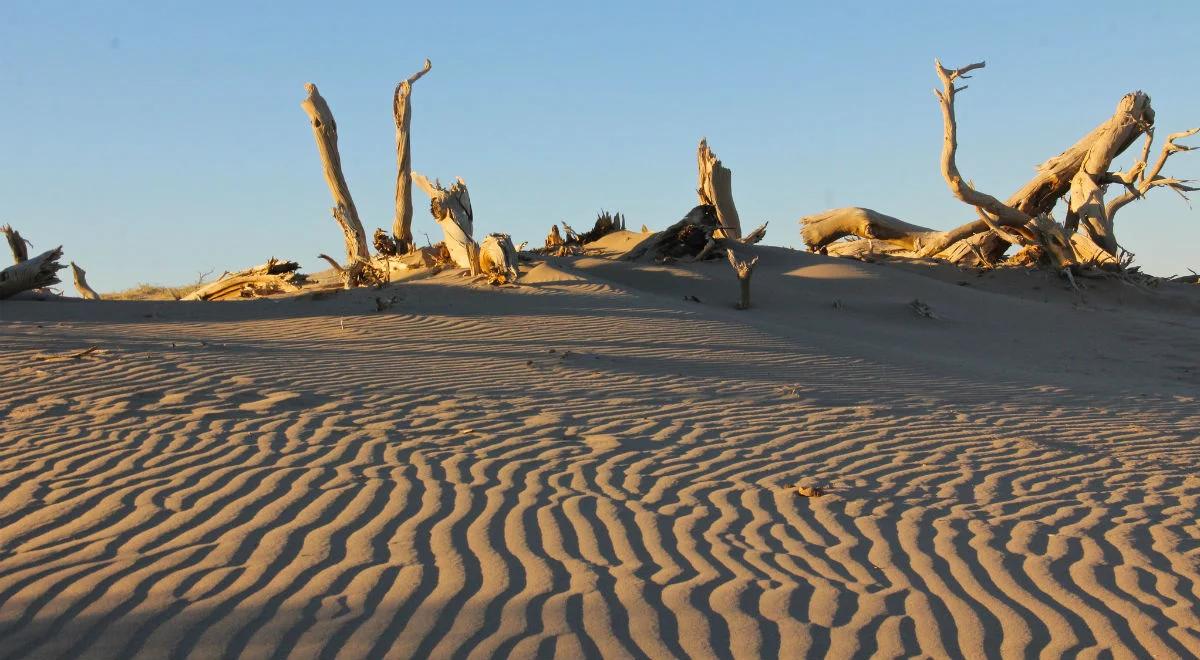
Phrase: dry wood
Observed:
(77, 355)
(1087, 186)
(743, 270)
(1138, 181)
(402, 113)
(756, 235)
(451, 208)
(81, 285)
(716, 189)
(498, 259)
(18, 245)
(1021, 220)
(36, 273)
(344, 212)
(274, 276)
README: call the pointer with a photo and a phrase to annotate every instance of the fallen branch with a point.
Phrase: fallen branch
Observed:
(69, 356)
(275, 276)
(36, 273)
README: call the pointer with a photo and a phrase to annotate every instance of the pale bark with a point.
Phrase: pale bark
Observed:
(275, 276)
(1138, 181)
(1020, 220)
(344, 211)
(716, 189)
(756, 235)
(81, 285)
(1087, 186)
(498, 260)
(36, 273)
(451, 208)
(743, 270)
(402, 113)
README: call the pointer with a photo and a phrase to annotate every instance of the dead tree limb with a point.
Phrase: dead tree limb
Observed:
(451, 208)
(756, 235)
(275, 276)
(18, 245)
(344, 212)
(36, 273)
(402, 113)
(1138, 181)
(1021, 220)
(743, 270)
(716, 189)
(80, 276)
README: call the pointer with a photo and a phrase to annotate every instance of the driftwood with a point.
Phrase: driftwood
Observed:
(402, 113)
(451, 208)
(743, 269)
(18, 245)
(498, 259)
(1023, 220)
(275, 276)
(80, 276)
(344, 212)
(35, 273)
(716, 189)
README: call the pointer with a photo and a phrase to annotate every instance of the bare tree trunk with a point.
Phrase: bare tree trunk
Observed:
(716, 189)
(402, 113)
(344, 211)
(36, 273)
(18, 245)
(743, 270)
(498, 259)
(451, 208)
(81, 285)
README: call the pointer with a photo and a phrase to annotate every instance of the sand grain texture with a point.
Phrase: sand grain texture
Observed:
(314, 479)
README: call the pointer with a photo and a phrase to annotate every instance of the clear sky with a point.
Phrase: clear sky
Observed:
(157, 140)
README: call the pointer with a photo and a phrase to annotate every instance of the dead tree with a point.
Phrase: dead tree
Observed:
(716, 189)
(743, 270)
(498, 260)
(344, 212)
(402, 113)
(451, 208)
(36, 273)
(80, 276)
(275, 276)
(1082, 172)
(18, 245)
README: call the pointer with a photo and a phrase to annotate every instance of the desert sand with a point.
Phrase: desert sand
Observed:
(590, 464)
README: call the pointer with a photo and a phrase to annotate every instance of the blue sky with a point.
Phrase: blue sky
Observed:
(157, 140)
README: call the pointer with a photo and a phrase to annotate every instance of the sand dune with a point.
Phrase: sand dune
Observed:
(591, 465)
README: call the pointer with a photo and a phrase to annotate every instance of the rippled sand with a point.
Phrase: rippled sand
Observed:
(591, 465)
